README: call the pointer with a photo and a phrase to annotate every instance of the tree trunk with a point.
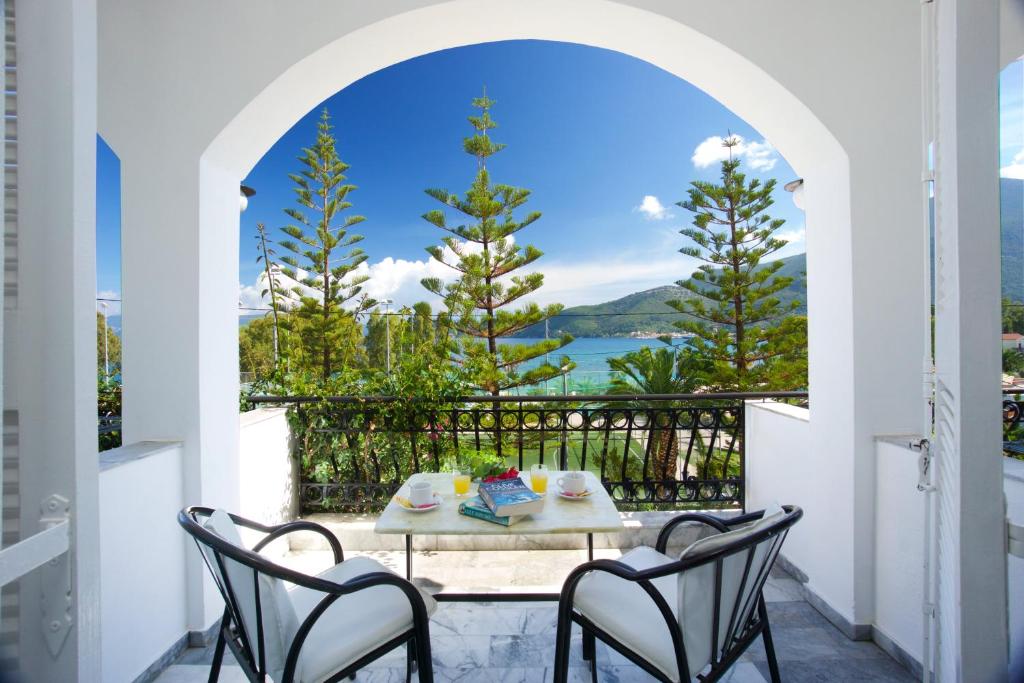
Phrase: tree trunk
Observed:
(665, 455)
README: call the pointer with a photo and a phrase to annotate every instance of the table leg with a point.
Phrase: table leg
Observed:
(590, 547)
(408, 557)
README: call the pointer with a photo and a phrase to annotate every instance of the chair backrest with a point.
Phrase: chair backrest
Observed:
(719, 591)
(257, 601)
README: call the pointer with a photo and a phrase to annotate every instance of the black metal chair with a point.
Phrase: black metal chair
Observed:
(679, 619)
(326, 628)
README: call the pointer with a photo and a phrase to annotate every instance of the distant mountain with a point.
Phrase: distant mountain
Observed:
(1011, 211)
(244, 320)
(646, 313)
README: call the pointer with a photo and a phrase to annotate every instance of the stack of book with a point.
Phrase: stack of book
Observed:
(502, 502)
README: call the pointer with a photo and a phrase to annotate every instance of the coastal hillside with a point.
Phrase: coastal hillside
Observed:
(1011, 205)
(646, 313)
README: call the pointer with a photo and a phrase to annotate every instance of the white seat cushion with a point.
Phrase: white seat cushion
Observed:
(627, 613)
(277, 614)
(354, 624)
(696, 589)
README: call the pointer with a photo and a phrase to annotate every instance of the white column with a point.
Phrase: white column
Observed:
(53, 362)
(180, 324)
(971, 533)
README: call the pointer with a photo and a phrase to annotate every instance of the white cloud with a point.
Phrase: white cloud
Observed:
(249, 297)
(759, 156)
(1015, 169)
(652, 208)
(792, 236)
(390, 278)
(600, 280)
(569, 282)
(795, 241)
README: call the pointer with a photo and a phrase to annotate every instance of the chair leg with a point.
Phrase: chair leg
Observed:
(590, 653)
(218, 651)
(410, 659)
(769, 647)
(423, 662)
(589, 646)
(562, 639)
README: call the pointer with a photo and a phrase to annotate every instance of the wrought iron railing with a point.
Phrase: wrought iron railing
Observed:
(649, 451)
(1013, 423)
(109, 417)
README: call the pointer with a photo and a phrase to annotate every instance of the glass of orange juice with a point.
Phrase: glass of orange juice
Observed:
(539, 478)
(460, 479)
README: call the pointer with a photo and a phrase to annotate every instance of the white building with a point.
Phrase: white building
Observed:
(190, 94)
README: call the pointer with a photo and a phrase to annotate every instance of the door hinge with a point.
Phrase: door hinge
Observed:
(56, 580)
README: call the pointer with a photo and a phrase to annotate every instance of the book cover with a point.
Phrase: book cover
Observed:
(477, 508)
(510, 497)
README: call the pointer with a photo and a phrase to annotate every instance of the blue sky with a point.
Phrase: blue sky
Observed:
(607, 144)
(1011, 121)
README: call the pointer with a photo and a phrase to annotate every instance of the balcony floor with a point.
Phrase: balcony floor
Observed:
(513, 642)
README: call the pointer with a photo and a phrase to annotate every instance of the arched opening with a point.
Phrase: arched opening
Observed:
(738, 84)
(719, 70)
(607, 145)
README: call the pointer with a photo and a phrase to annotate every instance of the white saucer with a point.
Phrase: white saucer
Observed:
(437, 503)
(569, 496)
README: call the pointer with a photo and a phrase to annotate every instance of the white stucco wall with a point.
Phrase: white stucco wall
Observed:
(1014, 488)
(142, 558)
(899, 550)
(268, 475)
(784, 467)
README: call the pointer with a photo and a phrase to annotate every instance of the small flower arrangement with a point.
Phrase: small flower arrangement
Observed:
(510, 473)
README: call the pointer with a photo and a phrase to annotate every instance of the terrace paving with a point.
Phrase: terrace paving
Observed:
(512, 642)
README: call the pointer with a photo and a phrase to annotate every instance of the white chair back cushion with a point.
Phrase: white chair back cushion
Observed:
(696, 592)
(279, 620)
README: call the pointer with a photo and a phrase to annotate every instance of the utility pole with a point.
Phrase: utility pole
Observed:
(547, 359)
(106, 332)
(387, 330)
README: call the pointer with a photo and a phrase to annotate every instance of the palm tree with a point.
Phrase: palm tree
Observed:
(660, 371)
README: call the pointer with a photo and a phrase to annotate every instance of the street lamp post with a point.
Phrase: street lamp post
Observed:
(106, 333)
(387, 330)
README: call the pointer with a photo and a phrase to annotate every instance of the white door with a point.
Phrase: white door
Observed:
(50, 574)
(970, 562)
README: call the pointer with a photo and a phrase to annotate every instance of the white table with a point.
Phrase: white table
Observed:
(594, 514)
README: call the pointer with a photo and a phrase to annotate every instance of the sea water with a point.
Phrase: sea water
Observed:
(590, 354)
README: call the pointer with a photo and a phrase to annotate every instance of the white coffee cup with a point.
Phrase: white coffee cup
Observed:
(573, 482)
(421, 493)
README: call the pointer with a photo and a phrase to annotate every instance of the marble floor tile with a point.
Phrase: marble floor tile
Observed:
(461, 652)
(882, 670)
(198, 673)
(502, 642)
(491, 675)
(783, 590)
(743, 672)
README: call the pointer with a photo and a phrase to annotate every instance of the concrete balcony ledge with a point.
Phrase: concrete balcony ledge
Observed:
(122, 455)
(355, 531)
(779, 408)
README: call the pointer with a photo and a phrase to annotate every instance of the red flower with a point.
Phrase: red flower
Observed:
(510, 473)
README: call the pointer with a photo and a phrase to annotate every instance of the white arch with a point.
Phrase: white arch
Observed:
(210, 102)
(737, 83)
(748, 90)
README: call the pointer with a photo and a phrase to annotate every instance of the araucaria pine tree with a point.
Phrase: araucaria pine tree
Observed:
(323, 259)
(741, 330)
(482, 248)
